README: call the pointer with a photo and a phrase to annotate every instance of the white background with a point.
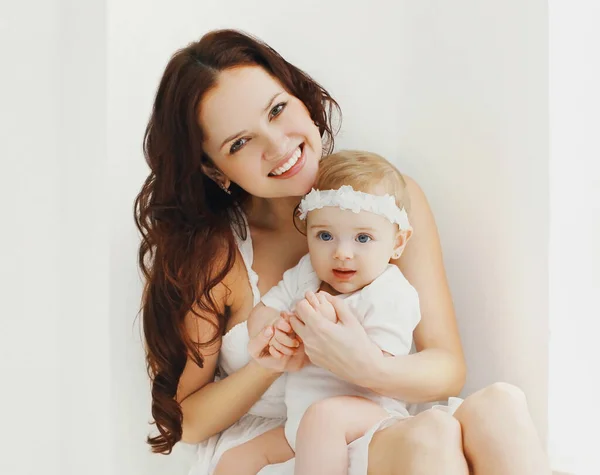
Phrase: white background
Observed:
(455, 93)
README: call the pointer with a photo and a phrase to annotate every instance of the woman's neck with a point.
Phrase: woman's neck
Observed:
(272, 213)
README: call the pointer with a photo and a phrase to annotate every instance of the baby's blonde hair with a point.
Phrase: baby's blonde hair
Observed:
(363, 171)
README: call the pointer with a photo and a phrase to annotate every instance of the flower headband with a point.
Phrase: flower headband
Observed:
(349, 199)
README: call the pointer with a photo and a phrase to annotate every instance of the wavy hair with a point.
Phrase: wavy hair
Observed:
(184, 218)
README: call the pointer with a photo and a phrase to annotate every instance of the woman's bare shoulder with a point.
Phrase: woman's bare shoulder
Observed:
(203, 326)
(229, 294)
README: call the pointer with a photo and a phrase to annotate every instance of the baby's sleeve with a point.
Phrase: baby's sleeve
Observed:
(285, 293)
(391, 319)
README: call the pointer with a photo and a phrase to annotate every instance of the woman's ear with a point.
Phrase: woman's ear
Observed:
(402, 238)
(216, 175)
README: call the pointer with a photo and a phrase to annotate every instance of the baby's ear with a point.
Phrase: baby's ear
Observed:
(402, 237)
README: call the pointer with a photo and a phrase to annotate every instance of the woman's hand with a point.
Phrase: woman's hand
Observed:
(343, 347)
(270, 349)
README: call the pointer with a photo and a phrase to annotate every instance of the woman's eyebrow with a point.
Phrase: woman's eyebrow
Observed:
(271, 101)
(236, 135)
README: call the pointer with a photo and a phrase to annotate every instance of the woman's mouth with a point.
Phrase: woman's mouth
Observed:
(343, 274)
(290, 165)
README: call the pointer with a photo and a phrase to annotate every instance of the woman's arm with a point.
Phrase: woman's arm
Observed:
(438, 369)
(210, 406)
(217, 405)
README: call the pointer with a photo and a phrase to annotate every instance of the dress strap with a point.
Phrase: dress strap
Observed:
(247, 252)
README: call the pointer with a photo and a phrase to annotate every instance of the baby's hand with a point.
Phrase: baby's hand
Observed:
(321, 305)
(285, 341)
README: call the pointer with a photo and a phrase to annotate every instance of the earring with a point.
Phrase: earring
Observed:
(224, 188)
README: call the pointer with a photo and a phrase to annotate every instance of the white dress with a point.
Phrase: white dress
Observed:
(388, 310)
(270, 411)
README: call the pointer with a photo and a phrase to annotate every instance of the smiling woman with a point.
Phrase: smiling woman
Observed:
(277, 141)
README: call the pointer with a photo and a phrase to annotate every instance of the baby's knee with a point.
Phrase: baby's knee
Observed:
(327, 417)
(332, 409)
(322, 416)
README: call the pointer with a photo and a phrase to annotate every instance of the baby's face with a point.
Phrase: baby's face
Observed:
(349, 250)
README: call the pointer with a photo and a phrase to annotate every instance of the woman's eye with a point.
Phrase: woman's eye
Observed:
(278, 109)
(363, 238)
(238, 144)
(325, 236)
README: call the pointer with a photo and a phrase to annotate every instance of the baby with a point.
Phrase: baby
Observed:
(355, 224)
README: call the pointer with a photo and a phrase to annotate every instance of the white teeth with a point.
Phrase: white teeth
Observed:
(289, 164)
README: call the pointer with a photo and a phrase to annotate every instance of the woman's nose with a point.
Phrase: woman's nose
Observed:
(277, 144)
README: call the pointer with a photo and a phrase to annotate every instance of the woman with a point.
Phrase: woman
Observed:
(233, 142)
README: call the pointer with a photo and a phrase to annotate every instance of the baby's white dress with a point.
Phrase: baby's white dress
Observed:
(388, 310)
(270, 411)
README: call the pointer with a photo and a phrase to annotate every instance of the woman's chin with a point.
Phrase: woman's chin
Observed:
(298, 185)
(307, 178)
(304, 188)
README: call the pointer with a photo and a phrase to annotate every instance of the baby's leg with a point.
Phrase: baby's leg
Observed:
(249, 458)
(327, 428)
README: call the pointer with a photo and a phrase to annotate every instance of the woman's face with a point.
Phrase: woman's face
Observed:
(260, 136)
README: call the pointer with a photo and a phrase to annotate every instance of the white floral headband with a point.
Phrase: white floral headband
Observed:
(349, 199)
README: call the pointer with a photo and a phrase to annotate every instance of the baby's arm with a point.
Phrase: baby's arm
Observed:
(327, 428)
(250, 457)
(284, 341)
(260, 317)
(275, 302)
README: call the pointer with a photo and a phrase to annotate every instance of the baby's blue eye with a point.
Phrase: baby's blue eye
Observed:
(363, 238)
(325, 236)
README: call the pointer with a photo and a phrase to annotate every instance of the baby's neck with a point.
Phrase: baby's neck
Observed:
(325, 287)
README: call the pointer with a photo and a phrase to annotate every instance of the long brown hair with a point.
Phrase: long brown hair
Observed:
(185, 219)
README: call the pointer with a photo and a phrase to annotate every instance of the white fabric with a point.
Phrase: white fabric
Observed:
(388, 310)
(269, 412)
(347, 198)
(247, 252)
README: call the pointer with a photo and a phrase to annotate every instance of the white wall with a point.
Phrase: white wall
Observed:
(455, 93)
(54, 347)
(29, 358)
(574, 416)
(84, 240)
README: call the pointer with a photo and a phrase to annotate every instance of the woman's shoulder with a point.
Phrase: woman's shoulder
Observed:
(236, 279)
(228, 295)
(416, 195)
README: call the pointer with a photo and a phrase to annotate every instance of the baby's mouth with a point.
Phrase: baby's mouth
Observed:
(344, 274)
